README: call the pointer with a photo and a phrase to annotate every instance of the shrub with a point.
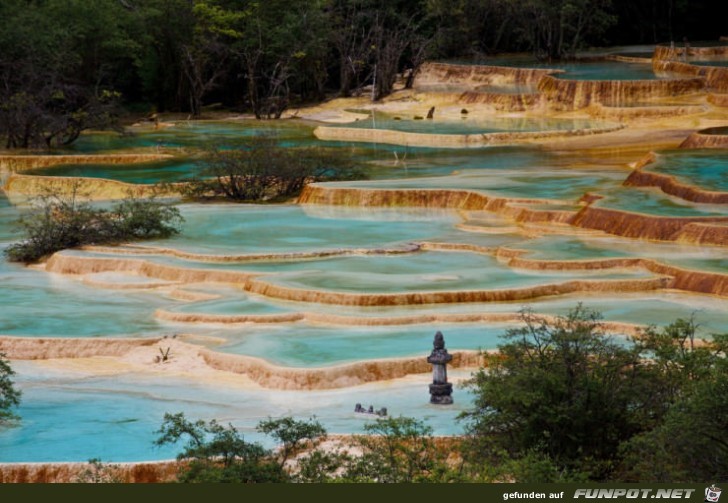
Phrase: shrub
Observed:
(9, 395)
(262, 170)
(58, 223)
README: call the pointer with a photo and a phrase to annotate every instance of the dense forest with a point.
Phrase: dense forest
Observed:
(67, 65)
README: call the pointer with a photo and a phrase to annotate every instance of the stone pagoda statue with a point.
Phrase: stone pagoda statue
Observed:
(440, 389)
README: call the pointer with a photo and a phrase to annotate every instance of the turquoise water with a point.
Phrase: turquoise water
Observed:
(38, 304)
(151, 172)
(538, 182)
(710, 63)
(707, 169)
(75, 417)
(192, 134)
(654, 202)
(430, 271)
(579, 70)
(239, 229)
(305, 345)
(606, 70)
(72, 415)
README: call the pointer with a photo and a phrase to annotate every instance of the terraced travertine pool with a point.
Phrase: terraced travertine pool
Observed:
(580, 70)
(706, 169)
(260, 272)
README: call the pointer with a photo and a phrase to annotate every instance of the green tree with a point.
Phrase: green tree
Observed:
(9, 395)
(60, 80)
(217, 453)
(282, 47)
(690, 443)
(206, 56)
(291, 435)
(564, 390)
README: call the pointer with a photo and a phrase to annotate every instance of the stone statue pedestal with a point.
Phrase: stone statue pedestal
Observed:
(440, 389)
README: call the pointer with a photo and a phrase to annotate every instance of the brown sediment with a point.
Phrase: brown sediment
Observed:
(339, 376)
(519, 102)
(186, 295)
(165, 315)
(664, 52)
(374, 321)
(670, 185)
(716, 77)
(393, 137)
(707, 138)
(719, 100)
(711, 230)
(115, 285)
(63, 473)
(252, 257)
(648, 158)
(514, 208)
(77, 265)
(642, 112)
(451, 297)
(697, 232)
(479, 75)
(86, 188)
(641, 226)
(681, 279)
(24, 162)
(27, 348)
(565, 94)
(65, 264)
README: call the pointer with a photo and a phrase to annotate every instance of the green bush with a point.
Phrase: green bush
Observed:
(262, 170)
(58, 223)
(9, 395)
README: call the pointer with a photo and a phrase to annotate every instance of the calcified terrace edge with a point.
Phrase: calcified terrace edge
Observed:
(643, 176)
(188, 359)
(694, 230)
(666, 276)
(474, 140)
